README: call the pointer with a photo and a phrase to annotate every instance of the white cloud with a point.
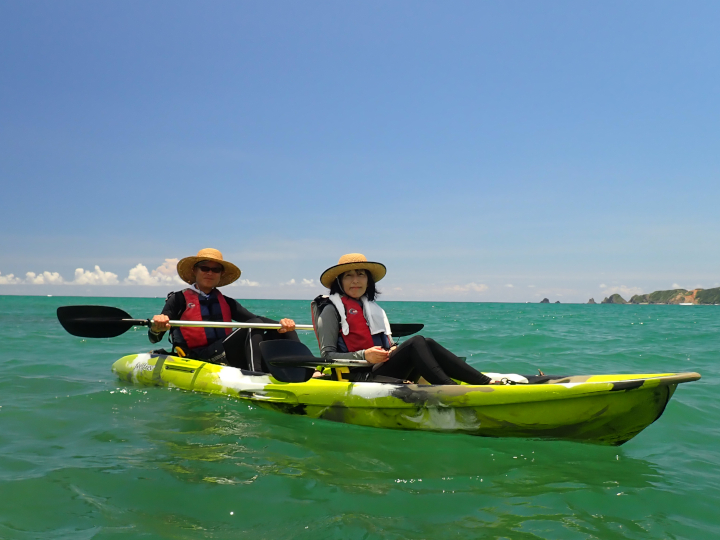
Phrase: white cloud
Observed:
(96, 277)
(676, 286)
(246, 283)
(304, 282)
(531, 286)
(46, 278)
(509, 285)
(165, 274)
(477, 288)
(470, 287)
(9, 279)
(625, 292)
(140, 276)
(168, 269)
(602, 285)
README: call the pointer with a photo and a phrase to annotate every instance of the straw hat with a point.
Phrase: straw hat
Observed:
(186, 265)
(352, 261)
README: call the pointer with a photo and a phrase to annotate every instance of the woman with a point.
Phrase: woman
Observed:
(353, 326)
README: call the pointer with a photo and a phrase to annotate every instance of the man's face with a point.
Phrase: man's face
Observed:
(207, 274)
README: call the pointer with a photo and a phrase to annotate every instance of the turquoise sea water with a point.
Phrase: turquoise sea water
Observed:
(85, 456)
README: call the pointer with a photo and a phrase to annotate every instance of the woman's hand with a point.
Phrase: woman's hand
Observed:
(160, 324)
(288, 325)
(376, 355)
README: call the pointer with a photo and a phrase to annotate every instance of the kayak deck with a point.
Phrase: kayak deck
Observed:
(599, 409)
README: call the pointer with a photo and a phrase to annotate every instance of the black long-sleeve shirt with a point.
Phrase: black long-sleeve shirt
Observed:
(175, 306)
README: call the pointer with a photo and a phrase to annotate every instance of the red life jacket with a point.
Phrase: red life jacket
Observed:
(359, 337)
(212, 308)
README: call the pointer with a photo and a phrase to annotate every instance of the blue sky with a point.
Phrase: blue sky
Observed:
(484, 151)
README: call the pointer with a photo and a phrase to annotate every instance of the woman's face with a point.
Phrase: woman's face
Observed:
(354, 283)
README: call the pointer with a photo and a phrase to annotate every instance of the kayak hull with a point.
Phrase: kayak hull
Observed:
(599, 409)
(595, 419)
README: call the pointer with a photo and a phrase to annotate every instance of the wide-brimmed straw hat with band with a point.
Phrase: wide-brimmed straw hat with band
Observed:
(186, 265)
(353, 261)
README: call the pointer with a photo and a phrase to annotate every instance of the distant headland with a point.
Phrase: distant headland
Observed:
(674, 296)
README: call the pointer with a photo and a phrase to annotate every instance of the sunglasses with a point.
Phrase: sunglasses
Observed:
(213, 269)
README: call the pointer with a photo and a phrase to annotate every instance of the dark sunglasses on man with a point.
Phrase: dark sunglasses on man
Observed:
(213, 269)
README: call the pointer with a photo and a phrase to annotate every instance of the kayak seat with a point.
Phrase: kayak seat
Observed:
(285, 359)
(316, 306)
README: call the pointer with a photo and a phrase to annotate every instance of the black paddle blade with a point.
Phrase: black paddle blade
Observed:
(281, 354)
(402, 330)
(96, 321)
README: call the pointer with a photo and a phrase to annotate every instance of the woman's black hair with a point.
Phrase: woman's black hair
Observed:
(371, 291)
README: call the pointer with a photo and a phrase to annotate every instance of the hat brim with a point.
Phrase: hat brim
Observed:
(185, 270)
(376, 269)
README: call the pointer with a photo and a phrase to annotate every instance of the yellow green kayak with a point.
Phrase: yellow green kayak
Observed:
(599, 409)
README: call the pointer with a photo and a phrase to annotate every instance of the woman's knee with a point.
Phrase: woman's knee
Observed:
(415, 340)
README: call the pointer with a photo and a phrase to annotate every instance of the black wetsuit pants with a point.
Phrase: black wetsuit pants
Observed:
(426, 357)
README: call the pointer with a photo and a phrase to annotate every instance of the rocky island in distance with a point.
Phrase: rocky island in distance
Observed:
(674, 296)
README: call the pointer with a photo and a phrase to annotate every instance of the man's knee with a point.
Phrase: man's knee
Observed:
(292, 335)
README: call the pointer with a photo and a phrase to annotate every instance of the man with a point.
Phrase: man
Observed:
(202, 301)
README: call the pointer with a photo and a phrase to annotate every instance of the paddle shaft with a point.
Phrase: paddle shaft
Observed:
(201, 324)
(220, 324)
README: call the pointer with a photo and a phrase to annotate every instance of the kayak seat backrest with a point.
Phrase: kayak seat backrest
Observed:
(316, 307)
(288, 360)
